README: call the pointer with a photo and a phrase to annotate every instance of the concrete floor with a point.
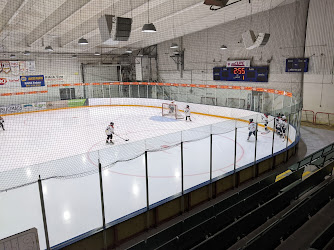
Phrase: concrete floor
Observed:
(316, 138)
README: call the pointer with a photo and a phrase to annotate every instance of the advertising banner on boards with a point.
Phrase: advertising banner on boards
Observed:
(10, 109)
(32, 81)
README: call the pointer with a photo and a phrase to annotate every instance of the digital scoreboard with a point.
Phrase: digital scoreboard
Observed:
(243, 74)
(297, 65)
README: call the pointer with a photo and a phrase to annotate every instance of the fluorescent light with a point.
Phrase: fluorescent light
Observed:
(83, 41)
(49, 48)
(97, 54)
(128, 51)
(223, 47)
(174, 46)
(149, 27)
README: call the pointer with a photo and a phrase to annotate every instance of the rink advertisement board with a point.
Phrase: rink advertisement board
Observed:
(76, 102)
(10, 109)
(32, 81)
(67, 103)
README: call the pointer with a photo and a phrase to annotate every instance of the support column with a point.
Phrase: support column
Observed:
(147, 194)
(182, 179)
(210, 188)
(235, 156)
(41, 196)
(255, 172)
(272, 145)
(287, 138)
(102, 207)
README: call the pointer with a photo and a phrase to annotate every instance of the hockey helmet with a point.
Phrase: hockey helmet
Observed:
(187, 106)
(251, 120)
(111, 123)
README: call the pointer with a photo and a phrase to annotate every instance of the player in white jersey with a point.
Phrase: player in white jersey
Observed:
(278, 124)
(284, 125)
(171, 107)
(110, 132)
(264, 118)
(187, 113)
(1, 123)
(251, 128)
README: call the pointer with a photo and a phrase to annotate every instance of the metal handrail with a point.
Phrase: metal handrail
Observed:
(329, 123)
(313, 118)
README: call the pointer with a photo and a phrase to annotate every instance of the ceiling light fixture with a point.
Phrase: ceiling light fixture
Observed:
(83, 41)
(223, 47)
(128, 51)
(174, 46)
(49, 48)
(97, 54)
(149, 27)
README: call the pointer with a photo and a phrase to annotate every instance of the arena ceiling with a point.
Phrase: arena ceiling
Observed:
(34, 24)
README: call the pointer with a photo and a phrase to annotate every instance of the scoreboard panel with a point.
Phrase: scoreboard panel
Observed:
(296, 65)
(243, 74)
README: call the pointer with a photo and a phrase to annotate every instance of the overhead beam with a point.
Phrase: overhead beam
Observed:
(9, 11)
(62, 13)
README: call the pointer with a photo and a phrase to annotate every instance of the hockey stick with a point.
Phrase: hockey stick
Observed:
(121, 137)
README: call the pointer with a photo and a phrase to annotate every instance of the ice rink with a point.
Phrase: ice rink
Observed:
(58, 143)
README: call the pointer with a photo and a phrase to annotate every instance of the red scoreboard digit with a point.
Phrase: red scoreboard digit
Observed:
(239, 71)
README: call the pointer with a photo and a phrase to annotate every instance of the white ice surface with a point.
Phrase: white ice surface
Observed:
(73, 205)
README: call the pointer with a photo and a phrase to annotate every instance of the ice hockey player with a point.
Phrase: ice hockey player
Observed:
(278, 124)
(171, 107)
(109, 132)
(251, 128)
(1, 123)
(284, 125)
(187, 113)
(265, 120)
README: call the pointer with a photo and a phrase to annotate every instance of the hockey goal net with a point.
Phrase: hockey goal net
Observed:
(171, 110)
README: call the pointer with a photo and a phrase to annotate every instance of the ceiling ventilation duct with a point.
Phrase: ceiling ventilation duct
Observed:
(219, 3)
(251, 41)
(114, 29)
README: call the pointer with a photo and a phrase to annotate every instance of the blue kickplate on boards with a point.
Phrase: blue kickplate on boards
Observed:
(162, 119)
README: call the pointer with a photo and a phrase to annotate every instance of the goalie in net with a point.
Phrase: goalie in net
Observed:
(171, 110)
